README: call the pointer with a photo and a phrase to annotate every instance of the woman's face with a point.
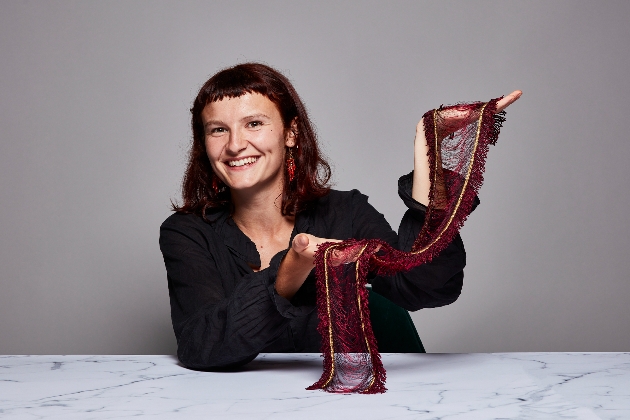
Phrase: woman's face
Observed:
(245, 142)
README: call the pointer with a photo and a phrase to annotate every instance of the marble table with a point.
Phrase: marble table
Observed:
(420, 386)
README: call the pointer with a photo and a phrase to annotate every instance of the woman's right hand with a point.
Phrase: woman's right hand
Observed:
(306, 245)
(298, 263)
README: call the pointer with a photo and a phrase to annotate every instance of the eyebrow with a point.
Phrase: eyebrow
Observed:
(249, 117)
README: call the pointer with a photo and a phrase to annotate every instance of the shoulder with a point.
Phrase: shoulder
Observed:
(336, 198)
(182, 221)
(348, 214)
(342, 205)
(181, 228)
(193, 221)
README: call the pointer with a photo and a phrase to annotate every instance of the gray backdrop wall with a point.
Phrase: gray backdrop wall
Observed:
(94, 131)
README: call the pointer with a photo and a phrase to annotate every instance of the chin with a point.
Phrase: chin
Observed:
(256, 185)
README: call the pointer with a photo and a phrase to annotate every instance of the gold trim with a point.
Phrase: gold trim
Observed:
(326, 254)
(367, 343)
(330, 332)
(470, 165)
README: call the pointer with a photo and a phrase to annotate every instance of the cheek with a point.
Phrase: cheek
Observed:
(213, 150)
(213, 154)
(274, 141)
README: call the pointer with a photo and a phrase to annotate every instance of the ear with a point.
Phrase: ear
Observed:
(290, 139)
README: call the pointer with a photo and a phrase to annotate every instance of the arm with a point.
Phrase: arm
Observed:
(221, 317)
(421, 179)
(296, 265)
(438, 282)
(434, 284)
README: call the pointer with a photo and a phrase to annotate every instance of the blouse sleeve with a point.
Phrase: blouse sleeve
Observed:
(434, 284)
(218, 324)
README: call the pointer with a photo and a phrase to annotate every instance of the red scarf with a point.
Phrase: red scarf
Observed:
(457, 155)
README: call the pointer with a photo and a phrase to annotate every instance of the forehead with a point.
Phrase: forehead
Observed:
(240, 107)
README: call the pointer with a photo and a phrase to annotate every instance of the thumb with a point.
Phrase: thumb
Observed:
(300, 242)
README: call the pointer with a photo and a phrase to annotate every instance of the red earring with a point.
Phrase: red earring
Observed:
(215, 184)
(291, 165)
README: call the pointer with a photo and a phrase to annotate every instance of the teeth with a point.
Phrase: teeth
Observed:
(242, 162)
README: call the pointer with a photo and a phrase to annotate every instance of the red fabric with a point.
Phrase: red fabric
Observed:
(457, 154)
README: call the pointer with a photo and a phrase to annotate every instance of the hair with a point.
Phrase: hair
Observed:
(312, 172)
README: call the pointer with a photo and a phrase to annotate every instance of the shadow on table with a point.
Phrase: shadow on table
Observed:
(424, 361)
(286, 362)
(296, 362)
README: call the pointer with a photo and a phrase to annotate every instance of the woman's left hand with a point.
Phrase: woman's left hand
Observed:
(452, 118)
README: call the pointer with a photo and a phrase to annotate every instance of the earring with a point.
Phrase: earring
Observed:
(291, 165)
(215, 184)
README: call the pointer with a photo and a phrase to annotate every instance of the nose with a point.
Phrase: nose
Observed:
(236, 142)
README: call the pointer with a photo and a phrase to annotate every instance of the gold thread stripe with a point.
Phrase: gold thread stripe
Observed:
(470, 166)
(330, 332)
(367, 343)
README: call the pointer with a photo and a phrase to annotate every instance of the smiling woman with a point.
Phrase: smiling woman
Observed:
(239, 251)
(202, 188)
(245, 142)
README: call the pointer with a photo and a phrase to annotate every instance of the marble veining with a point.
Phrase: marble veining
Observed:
(420, 386)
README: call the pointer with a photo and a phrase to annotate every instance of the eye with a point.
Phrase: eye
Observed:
(254, 124)
(216, 131)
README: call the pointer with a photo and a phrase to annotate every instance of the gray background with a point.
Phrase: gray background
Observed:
(94, 131)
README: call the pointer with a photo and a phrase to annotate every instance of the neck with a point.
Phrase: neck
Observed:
(259, 214)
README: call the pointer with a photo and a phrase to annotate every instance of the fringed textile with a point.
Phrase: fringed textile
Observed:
(457, 155)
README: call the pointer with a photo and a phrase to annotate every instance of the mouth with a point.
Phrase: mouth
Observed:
(242, 162)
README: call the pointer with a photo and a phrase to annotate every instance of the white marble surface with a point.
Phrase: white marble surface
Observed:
(420, 386)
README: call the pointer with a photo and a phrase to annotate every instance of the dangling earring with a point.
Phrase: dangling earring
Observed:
(291, 165)
(215, 184)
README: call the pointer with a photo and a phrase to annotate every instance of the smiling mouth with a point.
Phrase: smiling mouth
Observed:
(242, 162)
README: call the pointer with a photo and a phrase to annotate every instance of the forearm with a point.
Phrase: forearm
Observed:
(293, 271)
(421, 180)
(434, 284)
(232, 330)
(220, 315)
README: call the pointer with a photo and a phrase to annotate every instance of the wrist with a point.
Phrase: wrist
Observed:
(292, 272)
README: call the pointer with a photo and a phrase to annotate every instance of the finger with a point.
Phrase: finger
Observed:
(306, 244)
(508, 100)
(300, 242)
(346, 255)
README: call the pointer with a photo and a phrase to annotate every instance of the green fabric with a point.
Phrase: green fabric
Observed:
(393, 327)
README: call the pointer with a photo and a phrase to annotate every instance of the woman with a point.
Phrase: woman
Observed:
(239, 251)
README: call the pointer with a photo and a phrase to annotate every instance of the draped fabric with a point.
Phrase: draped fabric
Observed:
(457, 153)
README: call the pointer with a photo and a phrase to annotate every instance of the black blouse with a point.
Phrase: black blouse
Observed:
(224, 313)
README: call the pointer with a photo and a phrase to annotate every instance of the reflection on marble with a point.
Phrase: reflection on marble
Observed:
(420, 386)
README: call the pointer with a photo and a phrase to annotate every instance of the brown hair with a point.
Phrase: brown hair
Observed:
(312, 171)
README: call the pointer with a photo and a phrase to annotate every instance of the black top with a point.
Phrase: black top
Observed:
(224, 313)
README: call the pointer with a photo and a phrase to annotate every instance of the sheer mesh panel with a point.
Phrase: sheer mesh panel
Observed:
(457, 154)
